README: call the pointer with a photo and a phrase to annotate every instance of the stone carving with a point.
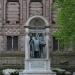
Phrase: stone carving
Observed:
(36, 46)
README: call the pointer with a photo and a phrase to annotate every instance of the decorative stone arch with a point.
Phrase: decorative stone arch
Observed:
(39, 17)
(27, 37)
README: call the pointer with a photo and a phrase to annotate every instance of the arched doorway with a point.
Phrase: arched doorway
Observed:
(36, 38)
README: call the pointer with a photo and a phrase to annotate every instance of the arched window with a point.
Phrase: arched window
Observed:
(36, 7)
(12, 12)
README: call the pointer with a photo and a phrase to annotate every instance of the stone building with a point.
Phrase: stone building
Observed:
(14, 14)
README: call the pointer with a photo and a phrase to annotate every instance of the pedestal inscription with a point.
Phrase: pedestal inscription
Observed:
(37, 65)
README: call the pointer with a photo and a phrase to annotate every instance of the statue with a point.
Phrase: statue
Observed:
(31, 42)
(36, 46)
(42, 44)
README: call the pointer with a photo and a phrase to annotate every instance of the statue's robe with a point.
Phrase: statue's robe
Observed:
(36, 44)
(36, 47)
(31, 42)
(42, 44)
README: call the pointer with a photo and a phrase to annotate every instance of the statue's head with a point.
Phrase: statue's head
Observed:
(37, 35)
(30, 35)
(36, 38)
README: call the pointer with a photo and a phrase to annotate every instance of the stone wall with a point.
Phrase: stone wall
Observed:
(17, 29)
(13, 60)
(1, 43)
(64, 60)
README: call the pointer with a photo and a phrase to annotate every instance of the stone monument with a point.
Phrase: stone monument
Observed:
(37, 61)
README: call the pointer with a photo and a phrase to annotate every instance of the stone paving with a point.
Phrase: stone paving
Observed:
(73, 73)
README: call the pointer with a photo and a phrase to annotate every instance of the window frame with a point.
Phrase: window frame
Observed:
(12, 42)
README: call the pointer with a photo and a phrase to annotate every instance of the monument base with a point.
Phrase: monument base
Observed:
(37, 73)
(37, 67)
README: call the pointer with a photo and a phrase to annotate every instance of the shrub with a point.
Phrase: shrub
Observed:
(14, 73)
(1, 73)
(59, 71)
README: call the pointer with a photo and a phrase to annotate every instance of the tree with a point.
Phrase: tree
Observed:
(66, 22)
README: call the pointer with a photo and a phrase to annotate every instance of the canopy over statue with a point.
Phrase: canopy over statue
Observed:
(37, 45)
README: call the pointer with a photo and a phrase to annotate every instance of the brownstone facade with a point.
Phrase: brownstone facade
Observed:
(13, 16)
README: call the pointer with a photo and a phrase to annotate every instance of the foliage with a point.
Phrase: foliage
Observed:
(1, 73)
(66, 22)
(60, 71)
(14, 73)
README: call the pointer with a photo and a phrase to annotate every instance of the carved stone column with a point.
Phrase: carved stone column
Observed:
(26, 43)
(47, 42)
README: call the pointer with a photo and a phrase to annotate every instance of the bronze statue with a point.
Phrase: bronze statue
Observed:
(36, 46)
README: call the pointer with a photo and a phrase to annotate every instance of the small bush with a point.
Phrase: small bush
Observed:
(68, 73)
(1, 73)
(59, 71)
(14, 73)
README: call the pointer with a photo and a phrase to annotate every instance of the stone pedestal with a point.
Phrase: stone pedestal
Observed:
(37, 67)
(37, 73)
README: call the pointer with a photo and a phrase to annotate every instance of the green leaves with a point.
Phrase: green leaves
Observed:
(66, 20)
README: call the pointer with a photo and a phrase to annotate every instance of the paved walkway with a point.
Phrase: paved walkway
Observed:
(73, 73)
